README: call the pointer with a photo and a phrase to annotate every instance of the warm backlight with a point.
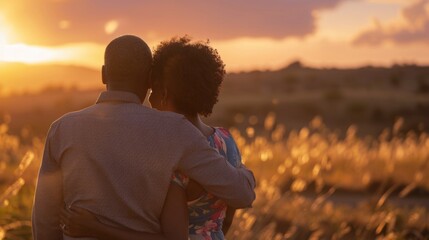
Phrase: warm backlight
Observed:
(27, 54)
(18, 52)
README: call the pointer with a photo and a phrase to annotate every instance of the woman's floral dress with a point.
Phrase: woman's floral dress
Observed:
(206, 213)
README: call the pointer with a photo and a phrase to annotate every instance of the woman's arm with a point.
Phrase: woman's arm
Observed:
(174, 221)
(229, 216)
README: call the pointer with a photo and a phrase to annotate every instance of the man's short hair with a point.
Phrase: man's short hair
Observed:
(127, 58)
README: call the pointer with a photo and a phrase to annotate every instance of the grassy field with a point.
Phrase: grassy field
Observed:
(359, 171)
(312, 183)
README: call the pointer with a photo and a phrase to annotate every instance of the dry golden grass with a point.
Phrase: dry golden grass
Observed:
(286, 166)
(16, 184)
(299, 174)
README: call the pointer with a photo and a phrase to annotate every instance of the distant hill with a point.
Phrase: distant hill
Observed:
(372, 98)
(369, 97)
(296, 76)
(17, 77)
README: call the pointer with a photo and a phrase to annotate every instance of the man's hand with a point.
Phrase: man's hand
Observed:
(78, 222)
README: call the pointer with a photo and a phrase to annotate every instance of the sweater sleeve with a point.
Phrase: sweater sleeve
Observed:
(48, 199)
(207, 167)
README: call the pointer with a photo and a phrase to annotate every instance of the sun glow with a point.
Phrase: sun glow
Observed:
(29, 54)
(3, 37)
(20, 52)
(3, 40)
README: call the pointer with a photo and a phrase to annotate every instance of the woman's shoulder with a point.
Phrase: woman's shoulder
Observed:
(225, 135)
(224, 141)
(222, 132)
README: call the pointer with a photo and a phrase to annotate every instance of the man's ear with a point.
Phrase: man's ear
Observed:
(103, 75)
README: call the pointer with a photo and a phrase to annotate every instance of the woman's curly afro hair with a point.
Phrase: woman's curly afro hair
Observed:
(190, 72)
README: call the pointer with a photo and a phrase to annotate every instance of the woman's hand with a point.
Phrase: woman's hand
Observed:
(78, 222)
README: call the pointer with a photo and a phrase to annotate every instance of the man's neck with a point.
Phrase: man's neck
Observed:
(126, 89)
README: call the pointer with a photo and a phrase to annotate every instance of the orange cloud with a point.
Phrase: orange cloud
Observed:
(54, 22)
(413, 28)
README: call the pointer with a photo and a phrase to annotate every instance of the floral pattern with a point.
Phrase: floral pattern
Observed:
(206, 214)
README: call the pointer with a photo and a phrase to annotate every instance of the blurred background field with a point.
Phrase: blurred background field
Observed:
(338, 153)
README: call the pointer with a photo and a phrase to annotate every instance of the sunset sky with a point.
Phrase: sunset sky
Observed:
(249, 34)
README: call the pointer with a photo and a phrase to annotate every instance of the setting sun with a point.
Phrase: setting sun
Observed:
(28, 54)
(3, 42)
(24, 53)
(3, 37)
(20, 52)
